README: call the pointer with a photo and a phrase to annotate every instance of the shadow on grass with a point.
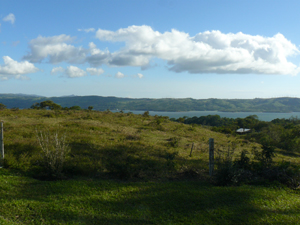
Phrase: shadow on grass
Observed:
(123, 161)
(289, 153)
(111, 202)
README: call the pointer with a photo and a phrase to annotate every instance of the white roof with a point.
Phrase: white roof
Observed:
(242, 130)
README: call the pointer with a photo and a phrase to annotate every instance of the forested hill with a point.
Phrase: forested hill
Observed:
(163, 104)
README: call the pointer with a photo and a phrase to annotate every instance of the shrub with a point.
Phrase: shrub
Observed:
(243, 170)
(2, 106)
(265, 157)
(54, 151)
(174, 142)
(146, 114)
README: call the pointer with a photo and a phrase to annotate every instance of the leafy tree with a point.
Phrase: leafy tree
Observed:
(181, 120)
(146, 114)
(46, 105)
(2, 106)
(75, 107)
(90, 108)
(35, 106)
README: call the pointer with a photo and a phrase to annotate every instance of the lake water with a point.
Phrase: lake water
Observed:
(261, 116)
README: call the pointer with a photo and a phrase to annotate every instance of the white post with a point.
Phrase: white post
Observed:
(1, 145)
(211, 157)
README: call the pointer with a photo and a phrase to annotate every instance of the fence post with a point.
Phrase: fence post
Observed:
(211, 157)
(191, 150)
(1, 145)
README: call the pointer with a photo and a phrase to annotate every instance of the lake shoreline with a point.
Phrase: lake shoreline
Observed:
(263, 116)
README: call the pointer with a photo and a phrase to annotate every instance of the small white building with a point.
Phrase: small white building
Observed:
(243, 130)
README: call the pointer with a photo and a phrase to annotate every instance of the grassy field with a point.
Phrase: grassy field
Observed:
(129, 169)
(95, 201)
(105, 142)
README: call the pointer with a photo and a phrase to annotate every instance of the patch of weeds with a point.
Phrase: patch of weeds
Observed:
(173, 142)
(260, 170)
(170, 163)
(54, 150)
(133, 137)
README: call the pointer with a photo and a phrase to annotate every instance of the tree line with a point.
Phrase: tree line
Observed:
(53, 106)
(50, 105)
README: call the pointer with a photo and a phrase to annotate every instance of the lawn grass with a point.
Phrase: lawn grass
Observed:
(95, 201)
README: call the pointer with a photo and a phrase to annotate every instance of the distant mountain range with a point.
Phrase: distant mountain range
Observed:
(23, 101)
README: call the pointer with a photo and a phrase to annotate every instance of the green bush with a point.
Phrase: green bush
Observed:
(173, 142)
(54, 150)
(262, 168)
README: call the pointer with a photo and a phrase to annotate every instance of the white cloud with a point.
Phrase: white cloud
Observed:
(139, 75)
(119, 75)
(207, 52)
(57, 70)
(95, 71)
(87, 30)
(10, 18)
(70, 72)
(56, 49)
(73, 72)
(14, 69)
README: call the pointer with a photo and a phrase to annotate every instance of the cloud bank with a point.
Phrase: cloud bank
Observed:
(14, 69)
(207, 52)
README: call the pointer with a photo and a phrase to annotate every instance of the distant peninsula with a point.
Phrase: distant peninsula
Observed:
(284, 104)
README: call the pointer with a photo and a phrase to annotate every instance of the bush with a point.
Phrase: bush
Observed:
(243, 170)
(174, 142)
(146, 114)
(2, 106)
(53, 154)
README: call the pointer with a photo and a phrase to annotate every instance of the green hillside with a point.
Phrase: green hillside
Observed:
(163, 104)
(121, 168)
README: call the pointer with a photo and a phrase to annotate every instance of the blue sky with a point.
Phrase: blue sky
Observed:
(150, 49)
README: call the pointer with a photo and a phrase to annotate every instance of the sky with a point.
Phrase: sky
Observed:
(200, 49)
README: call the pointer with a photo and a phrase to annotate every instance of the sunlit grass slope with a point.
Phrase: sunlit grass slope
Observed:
(107, 143)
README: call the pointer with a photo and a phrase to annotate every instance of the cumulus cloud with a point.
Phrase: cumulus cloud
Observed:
(57, 70)
(95, 71)
(10, 18)
(70, 72)
(87, 30)
(56, 49)
(73, 71)
(14, 69)
(207, 52)
(119, 75)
